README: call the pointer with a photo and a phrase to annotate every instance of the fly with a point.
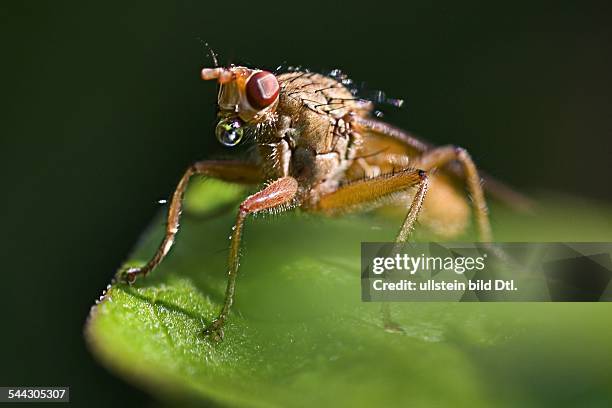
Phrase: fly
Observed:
(320, 148)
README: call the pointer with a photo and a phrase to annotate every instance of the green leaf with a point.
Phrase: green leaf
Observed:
(299, 334)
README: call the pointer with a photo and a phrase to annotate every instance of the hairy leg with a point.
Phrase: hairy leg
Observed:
(278, 195)
(233, 171)
(365, 192)
(360, 193)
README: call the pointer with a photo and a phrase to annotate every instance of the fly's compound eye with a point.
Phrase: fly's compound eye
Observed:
(229, 131)
(262, 89)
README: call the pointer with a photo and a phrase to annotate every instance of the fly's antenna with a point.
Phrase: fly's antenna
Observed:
(222, 75)
(211, 52)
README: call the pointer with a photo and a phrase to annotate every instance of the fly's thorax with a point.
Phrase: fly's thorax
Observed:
(310, 137)
(273, 152)
(318, 93)
(312, 169)
(318, 106)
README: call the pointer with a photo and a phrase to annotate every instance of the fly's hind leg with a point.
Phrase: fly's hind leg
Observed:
(441, 156)
(368, 192)
(436, 157)
(278, 195)
(362, 193)
(233, 171)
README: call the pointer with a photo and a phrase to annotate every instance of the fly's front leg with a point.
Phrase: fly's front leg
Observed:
(365, 193)
(442, 156)
(233, 171)
(278, 195)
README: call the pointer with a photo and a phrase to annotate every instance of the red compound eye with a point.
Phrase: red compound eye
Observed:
(262, 89)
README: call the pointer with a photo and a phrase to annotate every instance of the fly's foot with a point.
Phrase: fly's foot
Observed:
(215, 331)
(392, 327)
(129, 275)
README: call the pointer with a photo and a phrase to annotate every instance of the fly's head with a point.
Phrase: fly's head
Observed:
(247, 98)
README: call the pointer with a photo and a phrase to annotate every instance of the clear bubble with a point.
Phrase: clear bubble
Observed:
(229, 131)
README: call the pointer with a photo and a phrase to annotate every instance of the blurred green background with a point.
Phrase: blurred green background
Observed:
(102, 109)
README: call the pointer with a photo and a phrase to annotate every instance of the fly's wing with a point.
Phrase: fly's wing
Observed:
(389, 147)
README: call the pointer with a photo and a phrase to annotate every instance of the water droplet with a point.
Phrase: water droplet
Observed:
(335, 73)
(395, 102)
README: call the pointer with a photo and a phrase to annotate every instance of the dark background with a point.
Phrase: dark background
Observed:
(102, 109)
